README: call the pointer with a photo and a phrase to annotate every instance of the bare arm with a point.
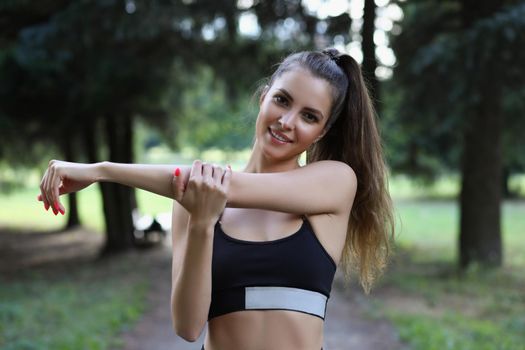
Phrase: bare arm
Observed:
(193, 223)
(320, 187)
(66, 177)
(191, 274)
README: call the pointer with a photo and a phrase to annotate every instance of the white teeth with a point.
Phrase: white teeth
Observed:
(278, 137)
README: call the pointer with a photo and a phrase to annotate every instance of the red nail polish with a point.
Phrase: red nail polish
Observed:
(61, 211)
(55, 205)
(46, 206)
(39, 197)
(55, 211)
(177, 172)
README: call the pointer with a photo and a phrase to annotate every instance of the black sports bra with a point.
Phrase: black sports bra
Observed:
(292, 273)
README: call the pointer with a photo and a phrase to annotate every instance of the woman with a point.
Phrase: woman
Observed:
(255, 252)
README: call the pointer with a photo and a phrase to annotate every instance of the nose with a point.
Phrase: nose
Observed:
(287, 121)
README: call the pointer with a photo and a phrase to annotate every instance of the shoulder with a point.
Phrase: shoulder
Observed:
(337, 178)
(336, 170)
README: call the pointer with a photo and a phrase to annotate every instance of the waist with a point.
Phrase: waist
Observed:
(271, 329)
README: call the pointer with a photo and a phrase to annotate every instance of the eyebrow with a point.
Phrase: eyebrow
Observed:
(307, 108)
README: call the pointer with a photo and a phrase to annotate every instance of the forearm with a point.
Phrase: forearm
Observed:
(191, 284)
(148, 177)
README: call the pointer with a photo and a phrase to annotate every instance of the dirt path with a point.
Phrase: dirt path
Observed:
(346, 326)
(22, 249)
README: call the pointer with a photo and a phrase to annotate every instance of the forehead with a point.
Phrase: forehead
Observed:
(306, 89)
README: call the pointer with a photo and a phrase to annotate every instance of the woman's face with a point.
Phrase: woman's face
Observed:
(293, 113)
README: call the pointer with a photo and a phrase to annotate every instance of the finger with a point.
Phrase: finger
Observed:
(227, 178)
(49, 189)
(62, 191)
(56, 196)
(185, 177)
(177, 185)
(41, 197)
(218, 171)
(207, 172)
(45, 186)
(196, 170)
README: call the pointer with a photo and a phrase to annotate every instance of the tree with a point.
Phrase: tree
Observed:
(369, 56)
(87, 68)
(460, 61)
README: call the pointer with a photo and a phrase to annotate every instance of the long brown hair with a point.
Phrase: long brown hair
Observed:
(352, 137)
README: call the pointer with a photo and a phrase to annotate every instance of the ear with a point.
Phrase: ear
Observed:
(263, 94)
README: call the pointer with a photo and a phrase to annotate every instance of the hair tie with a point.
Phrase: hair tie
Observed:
(333, 54)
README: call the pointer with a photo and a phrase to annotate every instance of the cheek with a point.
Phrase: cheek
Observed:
(267, 113)
(310, 133)
(260, 123)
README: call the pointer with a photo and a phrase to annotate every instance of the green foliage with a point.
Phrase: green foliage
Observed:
(438, 308)
(443, 66)
(207, 119)
(75, 307)
(455, 332)
(69, 64)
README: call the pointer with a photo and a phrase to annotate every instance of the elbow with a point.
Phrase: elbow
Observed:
(186, 328)
(189, 334)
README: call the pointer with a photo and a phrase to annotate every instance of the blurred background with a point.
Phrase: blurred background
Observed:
(171, 81)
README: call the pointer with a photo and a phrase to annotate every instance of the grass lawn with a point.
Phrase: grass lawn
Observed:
(431, 304)
(21, 209)
(79, 306)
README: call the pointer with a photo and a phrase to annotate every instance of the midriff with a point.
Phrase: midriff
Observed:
(265, 330)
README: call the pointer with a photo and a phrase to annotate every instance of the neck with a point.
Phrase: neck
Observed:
(259, 163)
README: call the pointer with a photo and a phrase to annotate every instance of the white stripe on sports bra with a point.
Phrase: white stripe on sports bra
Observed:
(286, 298)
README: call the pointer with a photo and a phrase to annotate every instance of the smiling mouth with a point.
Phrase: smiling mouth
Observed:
(278, 137)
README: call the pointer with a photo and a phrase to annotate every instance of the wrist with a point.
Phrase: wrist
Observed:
(101, 171)
(201, 226)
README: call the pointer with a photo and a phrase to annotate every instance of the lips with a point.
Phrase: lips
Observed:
(279, 136)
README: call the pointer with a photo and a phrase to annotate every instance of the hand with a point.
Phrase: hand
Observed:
(203, 191)
(61, 178)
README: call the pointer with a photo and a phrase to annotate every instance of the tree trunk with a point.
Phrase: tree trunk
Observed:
(118, 199)
(369, 56)
(480, 235)
(115, 198)
(90, 141)
(480, 199)
(505, 178)
(73, 219)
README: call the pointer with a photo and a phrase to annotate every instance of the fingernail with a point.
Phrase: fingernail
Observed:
(177, 172)
(46, 206)
(55, 211)
(55, 205)
(39, 197)
(62, 211)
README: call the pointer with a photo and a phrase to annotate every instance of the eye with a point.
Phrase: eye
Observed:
(311, 118)
(280, 99)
